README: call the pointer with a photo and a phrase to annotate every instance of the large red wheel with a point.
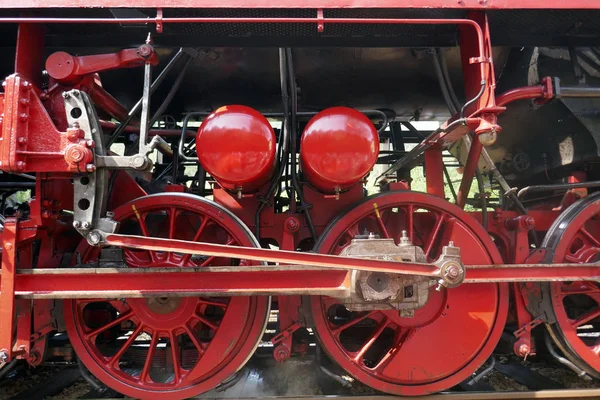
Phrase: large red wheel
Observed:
(575, 237)
(168, 347)
(450, 337)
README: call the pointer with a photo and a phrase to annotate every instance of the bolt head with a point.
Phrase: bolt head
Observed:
(90, 168)
(94, 238)
(523, 349)
(24, 117)
(20, 165)
(452, 272)
(76, 224)
(86, 225)
(8, 246)
(138, 162)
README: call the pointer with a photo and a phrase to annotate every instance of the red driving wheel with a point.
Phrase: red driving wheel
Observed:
(448, 338)
(575, 237)
(168, 347)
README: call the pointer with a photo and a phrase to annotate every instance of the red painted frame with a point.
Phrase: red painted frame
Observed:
(478, 68)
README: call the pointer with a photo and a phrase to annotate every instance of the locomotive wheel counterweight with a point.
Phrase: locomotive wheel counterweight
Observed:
(448, 338)
(576, 305)
(174, 347)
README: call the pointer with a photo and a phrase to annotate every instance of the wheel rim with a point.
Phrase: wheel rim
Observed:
(174, 347)
(447, 339)
(576, 305)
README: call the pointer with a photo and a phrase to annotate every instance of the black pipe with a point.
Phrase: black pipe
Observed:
(285, 139)
(556, 186)
(442, 82)
(483, 200)
(293, 135)
(14, 185)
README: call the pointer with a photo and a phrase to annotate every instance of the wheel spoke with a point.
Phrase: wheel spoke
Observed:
(372, 339)
(587, 317)
(172, 220)
(409, 222)
(212, 303)
(572, 259)
(116, 321)
(194, 340)
(355, 321)
(197, 235)
(402, 336)
(144, 228)
(114, 361)
(206, 322)
(382, 227)
(434, 234)
(589, 237)
(210, 259)
(149, 358)
(582, 287)
(175, 356)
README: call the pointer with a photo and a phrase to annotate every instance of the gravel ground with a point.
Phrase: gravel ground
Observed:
(23, 378)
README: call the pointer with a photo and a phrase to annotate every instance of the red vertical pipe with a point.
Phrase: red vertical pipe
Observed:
(29, 53)
(434, 172)
(469, 172)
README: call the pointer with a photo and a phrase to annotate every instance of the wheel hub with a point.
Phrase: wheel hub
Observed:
(160, 313)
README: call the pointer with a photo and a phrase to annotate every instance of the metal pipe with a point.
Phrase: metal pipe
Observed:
(111, 126)
(6, 368)
(469, 172)
(171, 93)
(284, 142)
(144, 120)
(580, 373)
(556, 186)
(522, 93)
(159, 20)
(579, 91)
(483, 200)
(442, 82)
(89, 378)
(134, 110)
(293, 135)
(474, 99)
(446, 76)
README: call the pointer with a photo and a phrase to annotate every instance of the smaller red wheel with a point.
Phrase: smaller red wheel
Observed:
(448, 338)
(575, 237)
(168, 347)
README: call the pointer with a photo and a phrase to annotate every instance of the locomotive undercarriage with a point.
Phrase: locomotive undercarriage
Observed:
(166, 292)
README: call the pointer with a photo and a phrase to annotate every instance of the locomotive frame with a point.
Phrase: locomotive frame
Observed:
(72, 167)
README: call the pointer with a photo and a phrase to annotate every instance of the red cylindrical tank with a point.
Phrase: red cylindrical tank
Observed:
(236, 145)
(339, 147)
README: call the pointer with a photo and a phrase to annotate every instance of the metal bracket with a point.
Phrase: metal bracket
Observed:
(90, 188)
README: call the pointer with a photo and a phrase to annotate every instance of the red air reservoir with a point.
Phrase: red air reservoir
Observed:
(339, 147)
(236, 146)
